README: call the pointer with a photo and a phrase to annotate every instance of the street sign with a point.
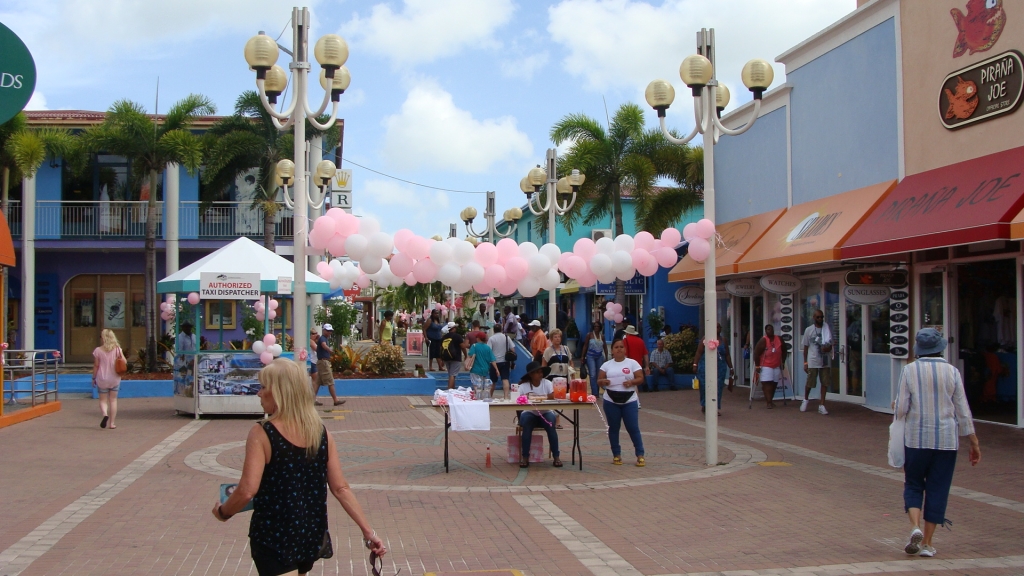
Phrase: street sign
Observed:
(635, 285)
(225, 286)
(284, 285)
(341, 200)
(893, 278)
(342, 181)
(17, 74)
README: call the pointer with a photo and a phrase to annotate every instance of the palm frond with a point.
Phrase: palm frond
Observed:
(184, 112)
(28, 151)
(181, 147)
(577, 127)
(667, 208)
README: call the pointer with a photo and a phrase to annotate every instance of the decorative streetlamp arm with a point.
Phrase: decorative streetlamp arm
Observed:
(270, 107)
(673, 139)
(511, 230)
(323, 105)
(472, 232)
(563, 209)
(329, 123)
(744, 128)
(287, 199)
(535, 211)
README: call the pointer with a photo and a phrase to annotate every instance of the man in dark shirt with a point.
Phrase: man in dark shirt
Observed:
(323, 364)
(452, 345)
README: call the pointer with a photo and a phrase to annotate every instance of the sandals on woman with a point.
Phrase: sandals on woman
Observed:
(524, 463)
(557, 463)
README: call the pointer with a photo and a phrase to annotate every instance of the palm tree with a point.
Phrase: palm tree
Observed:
(7, 164)
(625, 157)
(150, 145)
(249, 140)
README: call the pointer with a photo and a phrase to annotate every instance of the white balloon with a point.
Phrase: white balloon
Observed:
(607, 278)
(381, 244)
(462, 285)
(605, 245)
(337, 268)
(539, 265)
(336, 283)
(463, 253)
(472, 273)
(624, 242)
(528, 249)
(550, 280)
(626, 274)
(350, 273)
(449, 274)
(529, 287)
(368, 226)
(552, 251)
(371, 264)
(275, 349)
(440, 253)
(356, 246)
(258, 347)
(601, 265)
(621, 262)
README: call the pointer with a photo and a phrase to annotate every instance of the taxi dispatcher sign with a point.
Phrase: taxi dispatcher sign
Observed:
(224, 286)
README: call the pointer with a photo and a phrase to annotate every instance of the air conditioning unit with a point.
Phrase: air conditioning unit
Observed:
(597, 234)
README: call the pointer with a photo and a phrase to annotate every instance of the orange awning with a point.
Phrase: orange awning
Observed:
(737, 238)
(813, 232)
(6, 244)
(1017, 227)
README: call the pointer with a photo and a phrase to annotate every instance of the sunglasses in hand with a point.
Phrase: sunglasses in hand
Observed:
(376, 565)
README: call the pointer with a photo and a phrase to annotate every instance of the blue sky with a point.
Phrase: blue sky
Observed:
(458, 94)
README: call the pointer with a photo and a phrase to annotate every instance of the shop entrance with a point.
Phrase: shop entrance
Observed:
(985, 346)
(93, 302)
(845, 321)
(747, 330)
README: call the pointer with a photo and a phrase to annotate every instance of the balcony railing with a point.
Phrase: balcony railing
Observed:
(127, 220)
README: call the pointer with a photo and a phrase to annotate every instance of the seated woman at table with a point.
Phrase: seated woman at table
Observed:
(535, 381)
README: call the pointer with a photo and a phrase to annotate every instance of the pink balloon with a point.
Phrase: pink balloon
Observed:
(401, 264)
(644, 261)
(486, 254)
(666, 257)
(418, 247)
(617, 308)
(410, 280)
(270, 339)
(317, 241)
(266, 357)
(272, 314)
(336, 245)
(274, 304)
(401, 238)
(516, 267)
(507, 248)
(193, 298)
(618, 318)
(490, 301)
(165, 316)
(363, 281)
(644, 241)
(482, 287)
(586, 278)
(258, 306)
(261, 316)
(494, 275)
(574, 266)
(585, 248)
(347, 224)
(699, 249)
(705, 228)
(509, 286)
(690, 231)
(326, 225)
(670, 237)
(424, 271)
(324, 270)
(609, 315)
(336, 214)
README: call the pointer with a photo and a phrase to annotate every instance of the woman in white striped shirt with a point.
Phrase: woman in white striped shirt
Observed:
(932, 401)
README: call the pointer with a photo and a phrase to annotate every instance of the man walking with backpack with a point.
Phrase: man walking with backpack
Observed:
(452, 346)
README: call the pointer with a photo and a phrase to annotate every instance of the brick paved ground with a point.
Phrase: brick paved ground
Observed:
(831, 508)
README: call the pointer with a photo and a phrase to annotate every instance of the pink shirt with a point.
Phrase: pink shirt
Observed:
(772, 355)
(106, 376)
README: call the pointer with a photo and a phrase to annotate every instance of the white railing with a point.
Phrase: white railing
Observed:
(57, 219)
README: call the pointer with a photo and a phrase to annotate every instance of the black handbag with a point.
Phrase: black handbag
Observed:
(510, 350)
(584, 371)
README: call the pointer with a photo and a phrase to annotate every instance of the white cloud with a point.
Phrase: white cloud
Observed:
(36, 102)
(393, 193)
(430, 131)
(426, 30)
(627, 44)
(524, 68)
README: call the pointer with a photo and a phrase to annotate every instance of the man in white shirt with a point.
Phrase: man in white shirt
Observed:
(501, 343)
(818, 344)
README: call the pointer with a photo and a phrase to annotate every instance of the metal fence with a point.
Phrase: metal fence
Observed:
(30, 376)
(57, 219)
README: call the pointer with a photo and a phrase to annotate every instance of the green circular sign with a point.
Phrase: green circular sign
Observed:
(17, 74)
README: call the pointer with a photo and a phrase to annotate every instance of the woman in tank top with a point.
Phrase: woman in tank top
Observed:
(290, 462)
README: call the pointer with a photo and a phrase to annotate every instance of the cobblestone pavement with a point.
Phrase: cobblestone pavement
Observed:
(798, 493)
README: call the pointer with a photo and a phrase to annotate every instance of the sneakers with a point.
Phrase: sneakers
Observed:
(618, 462)
(822, 411)
(318, 403)
(914, 544)
(927, 551)
(640, 462)
(803, 405)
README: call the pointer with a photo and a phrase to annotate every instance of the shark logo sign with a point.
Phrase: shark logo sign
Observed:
(225, 286)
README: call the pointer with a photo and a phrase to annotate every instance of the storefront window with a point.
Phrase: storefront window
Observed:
(84, 309)
(138, 309)
(932, 312)
(879, 328)
(987, 338)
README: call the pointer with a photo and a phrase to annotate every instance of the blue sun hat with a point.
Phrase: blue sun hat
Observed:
(929, 341)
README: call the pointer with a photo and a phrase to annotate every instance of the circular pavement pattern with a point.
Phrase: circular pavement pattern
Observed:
(410, 459)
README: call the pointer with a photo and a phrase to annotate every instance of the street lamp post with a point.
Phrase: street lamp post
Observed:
(331, 52)
(511, 218)
(710, 97)
(531, 184)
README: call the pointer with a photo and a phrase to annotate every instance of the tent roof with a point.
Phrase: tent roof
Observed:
(241, 256)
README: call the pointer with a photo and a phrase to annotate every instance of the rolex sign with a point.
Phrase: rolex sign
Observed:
(17, 74)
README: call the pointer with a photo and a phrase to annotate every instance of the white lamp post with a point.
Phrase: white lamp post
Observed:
(511, 218)
(331, 52)
(565, 186)
(709, 99)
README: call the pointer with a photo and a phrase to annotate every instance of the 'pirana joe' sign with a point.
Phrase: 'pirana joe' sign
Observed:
(982, 91)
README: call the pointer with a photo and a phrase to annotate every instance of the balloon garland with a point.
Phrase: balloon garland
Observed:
(506, 266)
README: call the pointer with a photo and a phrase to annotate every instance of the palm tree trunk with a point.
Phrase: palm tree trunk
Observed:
(150, 281)
(268, 229)
(620, 286)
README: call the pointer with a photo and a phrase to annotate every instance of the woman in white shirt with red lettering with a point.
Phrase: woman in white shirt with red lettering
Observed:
(620, 376)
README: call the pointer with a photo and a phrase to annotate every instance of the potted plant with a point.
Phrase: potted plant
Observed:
(655, 322)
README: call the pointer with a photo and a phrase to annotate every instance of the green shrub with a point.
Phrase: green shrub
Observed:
(384, 359)
(683, 347)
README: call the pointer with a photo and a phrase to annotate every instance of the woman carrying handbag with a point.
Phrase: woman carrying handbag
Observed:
(108, 365)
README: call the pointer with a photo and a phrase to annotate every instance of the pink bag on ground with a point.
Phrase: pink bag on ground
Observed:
(536, 448)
